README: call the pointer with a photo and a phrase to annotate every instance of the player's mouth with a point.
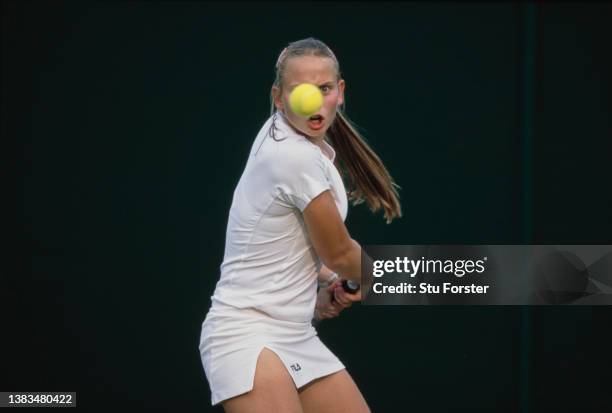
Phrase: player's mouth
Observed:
(315, 122)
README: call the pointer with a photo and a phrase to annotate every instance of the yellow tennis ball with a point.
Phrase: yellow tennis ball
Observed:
(305, 100)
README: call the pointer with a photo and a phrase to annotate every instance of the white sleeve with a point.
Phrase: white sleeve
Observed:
(301, 177)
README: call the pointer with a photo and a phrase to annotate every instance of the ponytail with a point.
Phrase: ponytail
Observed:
(368, 179)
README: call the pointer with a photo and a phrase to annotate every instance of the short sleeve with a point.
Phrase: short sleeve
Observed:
(301, 176)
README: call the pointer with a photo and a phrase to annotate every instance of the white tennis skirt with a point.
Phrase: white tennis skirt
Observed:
(232, 339)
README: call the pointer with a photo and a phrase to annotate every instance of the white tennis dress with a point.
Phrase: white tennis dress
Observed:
(266, 293)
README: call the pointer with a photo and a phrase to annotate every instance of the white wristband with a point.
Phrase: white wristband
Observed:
(329, 281)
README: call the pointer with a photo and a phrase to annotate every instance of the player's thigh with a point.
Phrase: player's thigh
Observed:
(273, 389)
(335, 393)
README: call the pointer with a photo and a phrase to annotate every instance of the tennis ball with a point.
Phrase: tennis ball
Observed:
(305, 100)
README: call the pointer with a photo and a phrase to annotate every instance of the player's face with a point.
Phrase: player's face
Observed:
(320, 72)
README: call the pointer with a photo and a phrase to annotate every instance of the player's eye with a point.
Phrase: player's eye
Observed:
(326, 87)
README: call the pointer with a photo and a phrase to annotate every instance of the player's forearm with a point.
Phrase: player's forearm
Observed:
(348, 265)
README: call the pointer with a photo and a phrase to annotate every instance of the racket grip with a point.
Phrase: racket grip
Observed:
(350, 286)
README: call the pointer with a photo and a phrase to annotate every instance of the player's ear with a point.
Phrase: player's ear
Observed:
(341, 86)
(278, 101)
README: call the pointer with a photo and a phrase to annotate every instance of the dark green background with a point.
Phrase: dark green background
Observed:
(133, 122)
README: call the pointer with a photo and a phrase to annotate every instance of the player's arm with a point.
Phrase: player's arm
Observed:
(330, 238)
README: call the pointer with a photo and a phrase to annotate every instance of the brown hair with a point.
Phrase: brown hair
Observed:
(368, 178)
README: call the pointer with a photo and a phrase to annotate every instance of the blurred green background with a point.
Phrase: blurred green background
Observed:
(133, 122)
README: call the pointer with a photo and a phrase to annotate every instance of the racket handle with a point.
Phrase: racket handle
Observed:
(350, 286)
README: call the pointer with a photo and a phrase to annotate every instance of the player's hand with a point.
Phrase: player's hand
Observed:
(342, 297)
(326, 307)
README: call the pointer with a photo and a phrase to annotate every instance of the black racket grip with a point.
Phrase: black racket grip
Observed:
(350, 286)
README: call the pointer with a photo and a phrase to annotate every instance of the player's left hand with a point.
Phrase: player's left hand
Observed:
(327, 307)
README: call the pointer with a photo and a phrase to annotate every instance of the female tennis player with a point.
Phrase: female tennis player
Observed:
(286, 236)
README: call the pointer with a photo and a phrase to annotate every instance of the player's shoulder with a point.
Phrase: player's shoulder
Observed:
(297, 148)
(285, 149)
(292, 146)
